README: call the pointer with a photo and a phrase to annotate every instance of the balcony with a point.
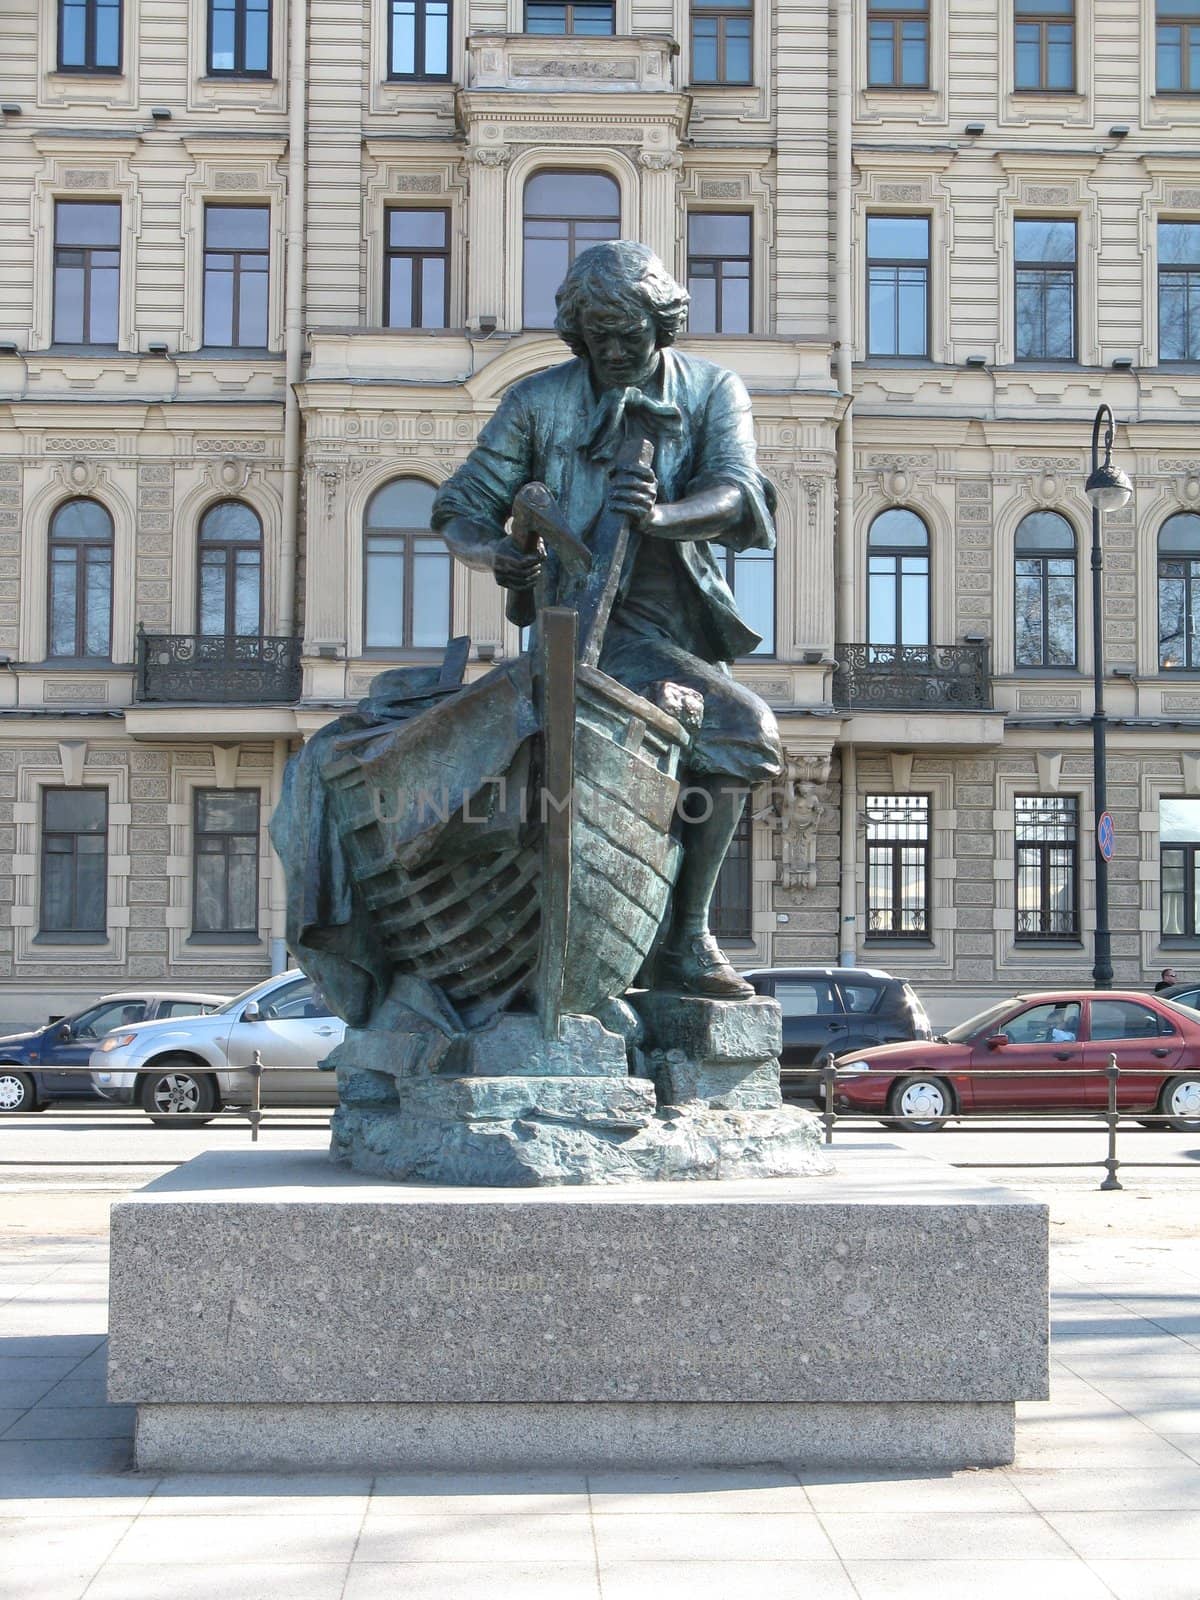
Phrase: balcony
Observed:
(935, 677)
(216, 669)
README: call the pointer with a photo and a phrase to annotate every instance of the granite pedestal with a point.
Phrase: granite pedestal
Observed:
(270, 1310)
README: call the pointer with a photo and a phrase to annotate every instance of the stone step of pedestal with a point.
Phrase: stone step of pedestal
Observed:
(511, 1045)
(710, 1030)
(605, 1102)
(740, 1085)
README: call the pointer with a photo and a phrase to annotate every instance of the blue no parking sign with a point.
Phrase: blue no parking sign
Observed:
(1106, 835)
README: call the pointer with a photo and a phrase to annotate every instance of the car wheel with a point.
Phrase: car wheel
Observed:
(17, 1094)
(175, 1090)
(1181, 1102)
(920, 1105)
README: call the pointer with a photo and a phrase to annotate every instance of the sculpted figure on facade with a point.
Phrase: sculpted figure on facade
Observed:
(505, 886)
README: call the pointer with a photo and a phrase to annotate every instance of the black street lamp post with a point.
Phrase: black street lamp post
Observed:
(1108, 489)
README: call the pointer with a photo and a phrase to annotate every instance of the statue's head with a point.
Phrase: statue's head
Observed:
(620, 289)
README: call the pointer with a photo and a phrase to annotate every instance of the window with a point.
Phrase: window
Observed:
(418, 38)
(1179, 593)
(565, 213)
(898, 286)
(182, 1008)
(229, 591)
(1044, 611)
(1045, 45)
(814, 999)
(416, 285)
(1178, 846)
(897, 584)
(74, 861)
(1179, 291)
(1126, 1019)
(751, 576)
(860, 998)
(732, 912)
(1045, 289)
(721, 36)
(1056, 1022)
(95, 1022)
(1047, 861)
(239, 38)
(236, 263)
(89, 35)
(571, 17)
(407, 571)
(225, 862)
(294, 1002)
(898, 44)
(719, 272)
(1177, 47)
(79, 622)
(87, 271)
(897, 866)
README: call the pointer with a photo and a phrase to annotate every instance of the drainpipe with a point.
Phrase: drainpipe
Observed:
(293, 315)
(844, 536)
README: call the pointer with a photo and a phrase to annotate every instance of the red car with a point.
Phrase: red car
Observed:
(918, 1085)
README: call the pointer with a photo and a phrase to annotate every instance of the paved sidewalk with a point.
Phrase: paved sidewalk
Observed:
(1104, 1499)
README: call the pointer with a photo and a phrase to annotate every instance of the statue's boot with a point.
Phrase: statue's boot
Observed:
(700, 967)
(691, 961)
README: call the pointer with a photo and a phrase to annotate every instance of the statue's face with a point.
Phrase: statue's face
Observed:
(622, 347)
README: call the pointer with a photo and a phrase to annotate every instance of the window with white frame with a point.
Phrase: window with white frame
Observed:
(1178, 848)
(79, 601)
(407, 570)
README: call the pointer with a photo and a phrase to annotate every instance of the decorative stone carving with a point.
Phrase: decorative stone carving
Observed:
(489, 155)
(801, 797)
(78, 178)
(903, 193)
(660, 160)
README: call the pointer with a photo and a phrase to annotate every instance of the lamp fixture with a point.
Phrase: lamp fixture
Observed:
(488, 325)
(10, 109)
(8, 348)
(1122, 363)
(975, 129)
(1119, 130)
(161, 113)
(812, 658)
(977, 361)
(1108, 488)
(158, 349)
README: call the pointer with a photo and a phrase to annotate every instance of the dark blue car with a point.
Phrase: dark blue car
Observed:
(34, 1065)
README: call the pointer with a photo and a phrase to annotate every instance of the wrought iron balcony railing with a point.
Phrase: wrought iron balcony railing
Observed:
(933, 677)
(221, 669)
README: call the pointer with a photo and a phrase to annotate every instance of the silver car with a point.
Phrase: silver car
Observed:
(199, 1064)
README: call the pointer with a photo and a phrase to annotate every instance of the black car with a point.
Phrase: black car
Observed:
(829, 1010)
(1187, 994)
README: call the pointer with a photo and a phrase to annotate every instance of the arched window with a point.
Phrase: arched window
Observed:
(1044, 612)
(80, 588)
(898, 582)
(229, 594)
(565, 213)
(1179, 592)
(406, 571)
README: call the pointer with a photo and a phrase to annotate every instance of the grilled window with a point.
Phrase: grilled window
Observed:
(722, 32)
(236, 271)
(719, 272)
(732, 913)
(416, 288)
(898, 286)
(1178, 848)
(897, 584)
(1047, 866)
(89, 36)
(1179, 291)
(1177, 47)
(407, 571)
(74, 897)
(418, 38)
(898, 44)
(87, 271)
(79, 621)
(571, 17)
(1179, 593)
(239, 38)
(1044, 45)
(229, 592)
(225, 862)
(1045, 591)
(897, 866)
(565, 214)
(1045, 289)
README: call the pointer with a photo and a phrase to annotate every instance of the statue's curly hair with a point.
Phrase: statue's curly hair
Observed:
(619, 276)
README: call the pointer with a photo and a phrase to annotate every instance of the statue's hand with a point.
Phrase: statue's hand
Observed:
(632, 492)
(514, 568)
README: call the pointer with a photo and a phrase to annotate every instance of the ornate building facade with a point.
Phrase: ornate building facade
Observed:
(268, 267)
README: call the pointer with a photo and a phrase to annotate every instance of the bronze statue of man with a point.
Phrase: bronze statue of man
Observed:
(674, 619)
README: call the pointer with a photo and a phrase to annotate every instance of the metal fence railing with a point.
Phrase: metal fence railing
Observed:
(1109, 1116)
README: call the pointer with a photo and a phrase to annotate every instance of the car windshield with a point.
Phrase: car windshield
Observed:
(982, 1022)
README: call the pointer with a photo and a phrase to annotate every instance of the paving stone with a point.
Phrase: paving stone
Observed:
(543, 1538)
(1147, 1580)
(699, 1493)
(980, 1579)
(294, 1580)
(909, 1490)
(1148, 1535)
(221, 1540)
(726, 1580)
(1094, 1488)
(719, 1536)
(479, 1494)
(973, 1536)
(454, 1580)
(73, 1422)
